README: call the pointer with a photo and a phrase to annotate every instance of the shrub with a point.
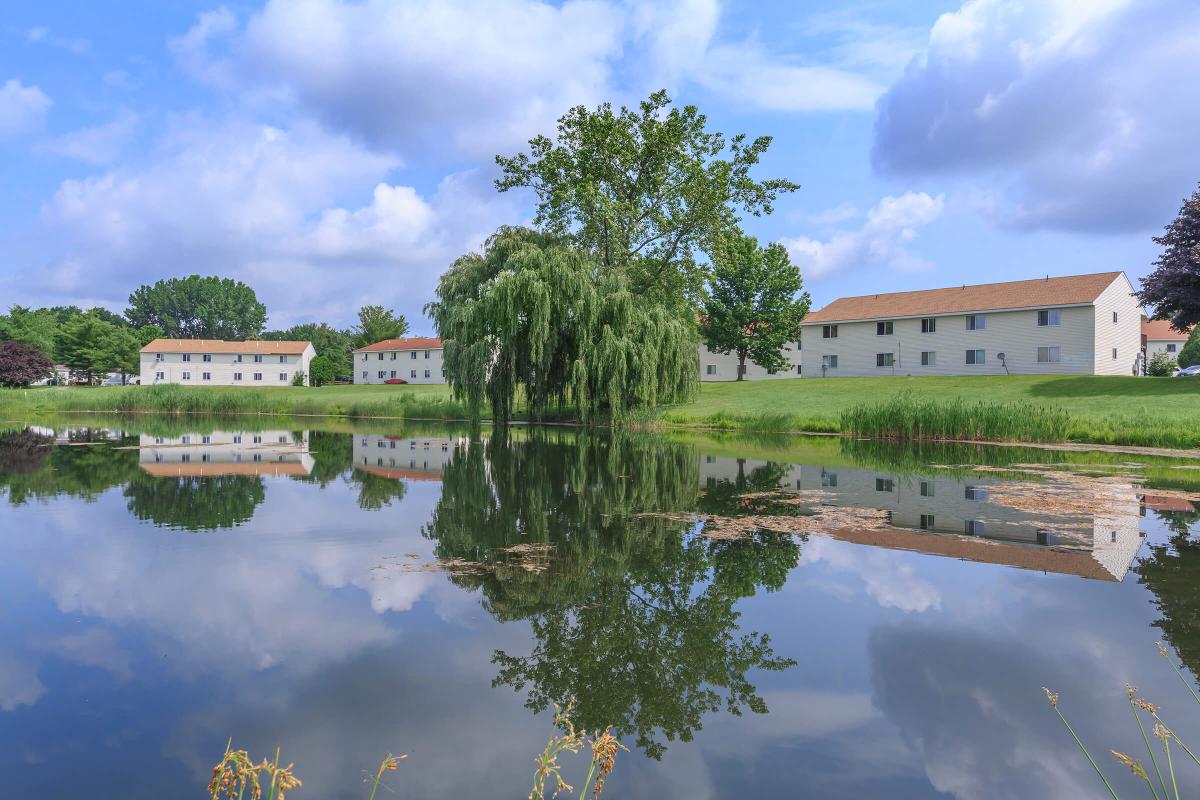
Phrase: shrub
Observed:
(321, 370)
(1162, 365)
(1189, 355)
(21, 364)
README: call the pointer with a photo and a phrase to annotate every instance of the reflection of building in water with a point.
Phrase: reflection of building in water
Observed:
(226, 453)
(1094, 533)
(417, 459)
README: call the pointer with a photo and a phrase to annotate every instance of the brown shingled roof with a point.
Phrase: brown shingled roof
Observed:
(411, 343)
(253, 346)
(1158, 329)
(1038, 293)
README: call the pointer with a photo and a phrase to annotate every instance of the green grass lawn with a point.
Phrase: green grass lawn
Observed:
(1118, 410)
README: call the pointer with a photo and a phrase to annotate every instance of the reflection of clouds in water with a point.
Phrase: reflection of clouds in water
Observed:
(972, 707)
(94, 647)
(19, 683)
(887, 578)
(252, 598)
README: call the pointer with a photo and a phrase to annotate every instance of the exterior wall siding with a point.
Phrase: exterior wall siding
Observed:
(222, 368)
(399, 364)
(1155, 346)
(1014, 333)
(724, 366)
(1124, 335)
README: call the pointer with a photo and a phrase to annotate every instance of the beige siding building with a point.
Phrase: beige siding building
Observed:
(412, 360)
(1159, 337)
(262, 453)
(214, 362)
(724, 366)
(1083, 325)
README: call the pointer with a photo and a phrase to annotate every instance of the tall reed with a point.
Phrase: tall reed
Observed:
(906, 417)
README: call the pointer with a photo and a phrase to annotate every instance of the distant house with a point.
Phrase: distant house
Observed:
(416, 359)
(724, 366)
(1082, 324)
(215, 362)
(61, 377)
(1159, 337)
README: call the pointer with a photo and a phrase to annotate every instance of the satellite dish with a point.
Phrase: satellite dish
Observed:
(1000, 356)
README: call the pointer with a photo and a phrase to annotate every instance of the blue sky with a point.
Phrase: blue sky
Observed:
(334, 153)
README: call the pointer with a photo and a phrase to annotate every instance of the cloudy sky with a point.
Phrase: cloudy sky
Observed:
(332, 153)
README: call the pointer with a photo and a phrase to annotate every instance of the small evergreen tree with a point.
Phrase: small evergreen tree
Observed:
(1189, 354)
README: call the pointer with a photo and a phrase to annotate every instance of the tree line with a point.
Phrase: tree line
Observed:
(96, 342)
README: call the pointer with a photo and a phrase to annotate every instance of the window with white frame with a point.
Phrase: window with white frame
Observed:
(710, 369)
(412, 373)
(928, 358)
(427, 354)
(885, 485)
(237, 376)
(393, 373)
(207, 376)
(187, 376)
(885, 359)
(426, 373)
(283, 360)
(381, 374)
(258, 376)
(927, 489)
(364, 374)
(929, 325)
(207, 357)
(1049, 355)
(258, 359)
(380, 358)
(187, 356)
(1171, 347)
(885, 328)
(829, 331)
(237, 359)
(158, 356)
(976, 322)
(927, 522)
(160, 376)
(975, 357)
(973, 527)
(394, 355)
(1114, 318)
(1049, 317)
(413, 355)
(829, 362)
(1114, 354)
(283, 376)
(975, 493)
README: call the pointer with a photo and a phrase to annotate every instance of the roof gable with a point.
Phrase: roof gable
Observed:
(1037, 293)
(1159, 329)
(250, 346)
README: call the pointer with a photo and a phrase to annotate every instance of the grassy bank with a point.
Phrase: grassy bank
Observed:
(1152, 412)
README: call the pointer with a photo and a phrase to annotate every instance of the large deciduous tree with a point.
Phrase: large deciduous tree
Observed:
(330, 343)
(1173, 288)
(755, 305)
(643, 190)
(198, 307)
(22, 364)
(376, 323)
(535, 316)
(36, 327)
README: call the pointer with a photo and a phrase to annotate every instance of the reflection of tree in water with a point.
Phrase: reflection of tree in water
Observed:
(32, 466)
(634, 618)
(333, 457)
(377, 491)
(195, 503)
(1172, 574)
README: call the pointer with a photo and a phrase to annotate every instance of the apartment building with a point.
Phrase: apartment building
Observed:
(274, 453)
(405, 458)
(1081, 324)
(724, 366)
(215, 362)
(1159, 337)
(412, 360)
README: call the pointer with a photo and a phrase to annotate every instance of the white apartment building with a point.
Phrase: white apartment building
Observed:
(724, 366)
(412, 360)
(1159, 337)
(273, 453)
(405, 458)
(1081, 324)
(214, 362)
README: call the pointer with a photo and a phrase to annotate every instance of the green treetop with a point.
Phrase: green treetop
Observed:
(376, 323)
(198, 308)
(755, 306)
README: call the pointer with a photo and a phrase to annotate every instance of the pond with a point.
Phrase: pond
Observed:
(799, 617)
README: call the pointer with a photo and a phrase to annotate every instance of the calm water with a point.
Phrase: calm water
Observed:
(779, 618)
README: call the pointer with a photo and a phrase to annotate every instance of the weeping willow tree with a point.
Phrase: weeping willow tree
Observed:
(532, 316)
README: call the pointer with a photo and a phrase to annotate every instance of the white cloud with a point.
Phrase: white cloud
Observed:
(307, 218)
(1083, 113)
(40, 34)
(881, 241)
(19, 683)
(99, 144)
(886, 577)
(22, 108)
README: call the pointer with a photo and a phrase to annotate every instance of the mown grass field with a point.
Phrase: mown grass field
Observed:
(1115, 410)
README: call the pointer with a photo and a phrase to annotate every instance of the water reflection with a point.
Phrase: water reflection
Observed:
(414, 588)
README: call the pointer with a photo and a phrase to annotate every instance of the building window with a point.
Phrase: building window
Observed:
(187, 376)
(975, 493)
(926, 488)
(258, 439)
(364, 356)
(828, 479)
(393, 355)
(205, 440)
(237, 359)
(829, 331)
(413, 355)
(187, 356)
(884, 359)
(381, 374)
(158, 356)
(185, 458)
(927, 522)
(1171, 348)
(237, 438)
(928, 358)
(283, 376)
(237, 376)
(829, 362)
(258, 376)
(1114, 354)
(283, 359)
(976, 322)
(393, 373)
(364, 374)
(929, 325)
(883, 328)
(973, 527)
(206, 357)
(443, 373)
(1114, 318)
(710, 369)
(412, 373)
(427, 354)
(206, 376)
(426, 373)
(799, 369)
(380, 356)
(1049, 355)
(160, 376)
(1049, 316)
(884, 484)
(258, 359)
(975, 357)
(258, 456)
